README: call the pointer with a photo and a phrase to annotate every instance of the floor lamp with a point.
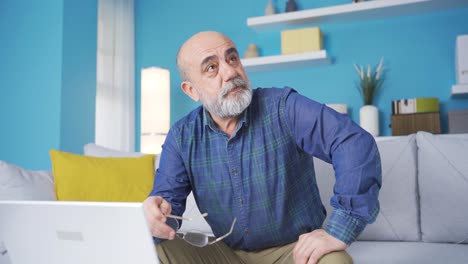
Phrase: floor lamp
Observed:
(155, 108)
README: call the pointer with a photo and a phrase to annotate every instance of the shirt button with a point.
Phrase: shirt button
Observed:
(234, 171)
(246, 231)
(241, 201)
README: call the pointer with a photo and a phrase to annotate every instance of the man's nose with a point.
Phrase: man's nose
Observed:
(228, 72)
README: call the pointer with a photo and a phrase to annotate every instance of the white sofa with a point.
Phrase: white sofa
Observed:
(424, 199)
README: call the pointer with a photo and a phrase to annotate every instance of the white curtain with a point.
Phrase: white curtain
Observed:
(115, 91)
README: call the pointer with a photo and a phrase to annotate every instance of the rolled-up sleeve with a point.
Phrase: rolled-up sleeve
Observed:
(336, 139)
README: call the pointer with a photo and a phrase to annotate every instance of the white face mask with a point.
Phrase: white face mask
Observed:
(224, 106)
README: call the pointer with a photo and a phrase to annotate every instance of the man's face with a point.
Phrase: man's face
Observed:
(217, 75)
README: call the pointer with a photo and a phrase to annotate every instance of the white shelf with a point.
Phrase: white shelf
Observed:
(354, 12)
(277, 62)
(460, 90)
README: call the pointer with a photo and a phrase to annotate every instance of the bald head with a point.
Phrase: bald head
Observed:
(212, 74)
(190, 51)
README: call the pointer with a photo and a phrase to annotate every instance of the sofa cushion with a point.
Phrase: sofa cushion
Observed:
(17, 183)
(383, 252)
(191, 208)
(83, 178)
(398, 217)
(443, 181)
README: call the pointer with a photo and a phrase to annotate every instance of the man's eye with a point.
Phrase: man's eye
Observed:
(234, 58)
(211, 68)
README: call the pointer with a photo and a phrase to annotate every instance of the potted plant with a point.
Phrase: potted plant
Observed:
(370, 82)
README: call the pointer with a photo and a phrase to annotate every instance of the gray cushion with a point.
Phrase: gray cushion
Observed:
(398, 218)
(17, 183)
(443, 180)
(367, 252)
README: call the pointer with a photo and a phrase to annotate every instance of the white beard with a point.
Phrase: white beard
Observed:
(224, 106)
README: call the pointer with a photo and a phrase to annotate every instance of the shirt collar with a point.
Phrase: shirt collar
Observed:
(243, 120)
(207, 120)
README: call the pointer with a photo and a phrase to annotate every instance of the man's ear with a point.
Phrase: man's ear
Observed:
(189, 90)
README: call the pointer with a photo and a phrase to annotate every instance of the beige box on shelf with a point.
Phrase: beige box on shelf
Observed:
(301, 40)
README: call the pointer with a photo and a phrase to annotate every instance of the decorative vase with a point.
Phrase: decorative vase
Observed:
(252, 51)
(369, 119)
(270, 9)
(291, 6)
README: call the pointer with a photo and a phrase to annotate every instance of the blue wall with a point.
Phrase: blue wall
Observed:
(79, 75)
(46, 78)
(418, 50)
(48, 63)
(30, 80)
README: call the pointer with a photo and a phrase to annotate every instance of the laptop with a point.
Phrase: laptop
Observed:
(57, 232)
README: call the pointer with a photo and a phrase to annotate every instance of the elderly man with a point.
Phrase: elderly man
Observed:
(247, 156)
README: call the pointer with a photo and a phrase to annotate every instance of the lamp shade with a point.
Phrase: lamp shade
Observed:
(155, 108)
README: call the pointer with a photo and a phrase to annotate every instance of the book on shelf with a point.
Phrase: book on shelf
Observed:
(415, 105)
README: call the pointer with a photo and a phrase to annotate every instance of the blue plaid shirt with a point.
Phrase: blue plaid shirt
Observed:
(264, 173)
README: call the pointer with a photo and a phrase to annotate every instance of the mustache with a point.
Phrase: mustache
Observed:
(234, 83)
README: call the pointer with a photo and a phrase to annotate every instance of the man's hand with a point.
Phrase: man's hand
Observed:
(312, 246)
(156, 208)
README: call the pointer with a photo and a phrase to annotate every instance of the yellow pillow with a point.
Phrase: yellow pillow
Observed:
(84, 178)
